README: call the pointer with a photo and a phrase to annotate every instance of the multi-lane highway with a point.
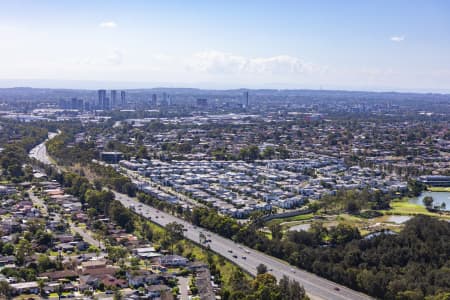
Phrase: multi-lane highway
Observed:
(248, 259)
(40, 151)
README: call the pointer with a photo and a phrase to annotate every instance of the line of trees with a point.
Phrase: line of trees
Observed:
(264, 286)
(18, 139)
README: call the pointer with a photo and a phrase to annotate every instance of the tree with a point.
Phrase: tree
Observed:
(98, 185)
(297, 292)
(428, 201)
(175, 233)
(352, 207)
(147, 231)
(8, 249)
(59, 291)
(44, 238)
(100, 200)
(115, 253)
(5, 289)
(249, 153)
(45, 263)
(12, 158)
(123, 217)
(276, 231)
(268, 152)
(117, 295)
(142, 152)
(24, 249)
(237, 281)
(261, 269)
(343, 234)
(41, 285)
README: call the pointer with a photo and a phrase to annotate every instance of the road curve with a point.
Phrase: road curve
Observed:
(315, 286)
(40, 151)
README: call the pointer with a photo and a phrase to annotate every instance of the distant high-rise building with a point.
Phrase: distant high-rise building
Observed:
(246, 103)
(77, 104)
(63, 104)
(154, 100)
(106, 104)
(164, 100)
(101, 99)
(202, 102)
(113, 98)
(122, 98)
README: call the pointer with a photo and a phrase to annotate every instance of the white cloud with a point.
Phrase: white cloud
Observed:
(397, 38)
(115, 58)
(218, 62)
(108, 24)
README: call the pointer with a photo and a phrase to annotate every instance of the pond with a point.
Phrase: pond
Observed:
(398, 219)
(301, 227)
(438, 197)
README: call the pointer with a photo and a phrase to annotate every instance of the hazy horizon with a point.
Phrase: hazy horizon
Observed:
(369, 45)
(95, 85)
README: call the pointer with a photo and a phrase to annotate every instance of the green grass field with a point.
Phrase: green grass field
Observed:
(438, 189)
(403, 207)
(407, 208)
(290, 219)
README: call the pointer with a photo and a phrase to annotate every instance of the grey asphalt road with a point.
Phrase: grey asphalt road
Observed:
(39, 202)
(40, 151)
(87, 237)
(183, 284)
(248, 259)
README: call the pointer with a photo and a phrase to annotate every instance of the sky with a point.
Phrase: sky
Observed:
(360, 45)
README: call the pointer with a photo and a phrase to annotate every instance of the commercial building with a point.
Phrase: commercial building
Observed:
(246, 102)
(154, 100)
(202, 102)
(435, 180)
(112, 157)
(113, 98)
(122, 98)
(101, 99)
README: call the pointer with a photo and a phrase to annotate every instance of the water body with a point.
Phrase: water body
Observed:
(301, 227)
(439, 198)
(398, 219)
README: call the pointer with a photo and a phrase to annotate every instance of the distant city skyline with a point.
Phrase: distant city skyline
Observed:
(362, 45)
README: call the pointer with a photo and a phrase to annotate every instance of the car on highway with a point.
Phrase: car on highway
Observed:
(292, 270)
(235, 256)
(229, 250)
(244, 257)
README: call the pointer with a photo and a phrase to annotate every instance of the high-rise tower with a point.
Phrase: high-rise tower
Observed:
(122, 98)
(113, 98)
(101, 99)
(246, 102)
